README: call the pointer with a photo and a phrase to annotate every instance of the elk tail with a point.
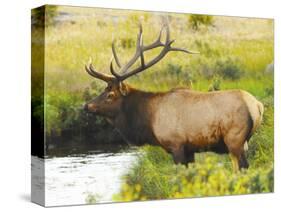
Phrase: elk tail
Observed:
(256, 111)
(258, 121)
(246, 147)
(256, 116)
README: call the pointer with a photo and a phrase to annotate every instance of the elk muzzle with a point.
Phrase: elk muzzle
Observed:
(90, 107)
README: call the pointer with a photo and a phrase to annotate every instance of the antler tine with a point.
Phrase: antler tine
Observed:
(138, 52)
(176, 48)
(113, 72)
(115, 55)
(139, 40)
(142, 56)
(91, 71)
(168, 42)
(140, 46)
(156, 43)
(183, 50)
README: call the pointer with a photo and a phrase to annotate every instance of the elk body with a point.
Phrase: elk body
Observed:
(182, 121)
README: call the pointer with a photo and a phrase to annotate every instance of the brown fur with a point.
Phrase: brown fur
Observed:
(182, 121)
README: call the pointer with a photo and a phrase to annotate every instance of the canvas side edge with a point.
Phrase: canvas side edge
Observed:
(37, 106)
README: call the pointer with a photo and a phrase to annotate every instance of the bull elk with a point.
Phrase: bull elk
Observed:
(182, 121)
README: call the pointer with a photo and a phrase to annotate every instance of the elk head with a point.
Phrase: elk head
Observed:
(109, 102)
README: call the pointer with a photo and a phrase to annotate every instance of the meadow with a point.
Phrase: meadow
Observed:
(235, 53)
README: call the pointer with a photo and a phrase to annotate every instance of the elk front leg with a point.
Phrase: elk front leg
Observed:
(178, 155)
(189, 155)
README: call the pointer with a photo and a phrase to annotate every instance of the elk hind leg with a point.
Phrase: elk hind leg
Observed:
(243, 163)
(234, 161)
(239, 161)
(236, 144)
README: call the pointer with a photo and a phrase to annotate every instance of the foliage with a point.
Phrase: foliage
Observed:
(229, 68)
(198, 20)
(37, 108)
(261, 146)
(155, 177)
(62, 111)
(215, 84)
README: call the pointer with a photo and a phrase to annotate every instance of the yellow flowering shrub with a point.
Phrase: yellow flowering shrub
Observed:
(156, 177)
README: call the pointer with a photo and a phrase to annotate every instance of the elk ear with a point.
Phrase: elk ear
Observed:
(124, 89)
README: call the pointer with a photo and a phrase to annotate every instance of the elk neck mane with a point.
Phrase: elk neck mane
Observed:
(135, 118)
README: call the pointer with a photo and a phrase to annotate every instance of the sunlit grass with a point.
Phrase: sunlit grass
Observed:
(70, 45)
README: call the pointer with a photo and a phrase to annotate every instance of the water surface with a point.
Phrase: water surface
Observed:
(70, 179)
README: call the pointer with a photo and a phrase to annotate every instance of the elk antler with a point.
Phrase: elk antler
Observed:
(139, 54)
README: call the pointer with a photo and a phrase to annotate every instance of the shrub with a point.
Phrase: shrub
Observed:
(173, 74)
(62, 112)
(216, 84)
(206, 71)
(261, 145)
(229, 68)
(156, 177)
(197, 20)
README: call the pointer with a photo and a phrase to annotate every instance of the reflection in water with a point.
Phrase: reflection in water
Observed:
(69, 180)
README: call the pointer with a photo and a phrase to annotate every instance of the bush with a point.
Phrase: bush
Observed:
(216, 84)
(156, 177)
(229, 68)
(197, 20)
(63, 112)
(261, 145)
